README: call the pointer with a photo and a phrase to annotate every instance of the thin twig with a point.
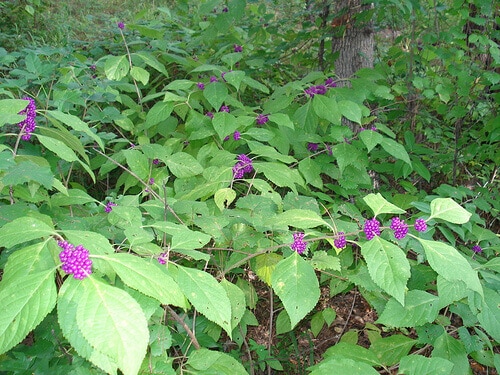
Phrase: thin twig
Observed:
(190, 333)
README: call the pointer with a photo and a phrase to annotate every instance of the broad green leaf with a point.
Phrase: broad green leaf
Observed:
(77, 124)
(224, 197)
(420, 307)
(322, 261)
(255, 84)
(265, 265)
(317, 323)
(137, 162)
(453, 350)
(27, 171)
(269, 152)
(450, 291)
(140, 74)
(237, 299)
(347, 154)
(31, 259)
(206, 295)
(390, 350)
(183, 238)
(216, 93)
(94, 242)
(74, 196)
(150, 60)
(147, 278)
(327, 108)
(370, 139)
(388, 266)
(350, 110)
(57, 147)
(395, 149)
(224, 124)
(116, 67)
(296, 284)
(342, 366)
(113, 323)
(183, 165)
(489, 316)
(281, 119)
(171, 97)
(24, 305)
(449, 210)
(125, 216)
(493, 264)
(280, 174)
(419, 365)
(204, 361)
(311, 170)
(234, 78)
(67, 307)
(449, 263)
(380, 205)
(299, 218)
(354, 352)
(23, 229)
(158, 113)
(9, 109)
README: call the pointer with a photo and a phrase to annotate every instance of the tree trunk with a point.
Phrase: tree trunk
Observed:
(353, 38)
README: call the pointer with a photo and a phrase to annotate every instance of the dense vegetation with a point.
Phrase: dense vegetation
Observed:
(183, 190)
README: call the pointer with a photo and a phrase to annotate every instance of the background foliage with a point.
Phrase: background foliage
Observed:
(141, 128)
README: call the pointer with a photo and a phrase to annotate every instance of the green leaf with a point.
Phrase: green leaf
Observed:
(281, 119)
(238, 303)
(113, 323)
(350, 110)
(224, 197)
(311, 170)
(57, 147)
(280, 174)
(116, 67)
(67, 307)
(322, 261)
(9, 109)
(379, 205)
(327, 108)
(147, 278)
(74, 196)
(342, 366)
(299, 218)
(255, 84)
(265, 265)
(216, 93)
(31, 259)
(489, 316)
(390, 350)
(24, 305)
(453, 350)
(27, 171)
(150, 60)
(420, 307)
(395, 149)
(183, 165)
(206, 295)
(224, 124)
(450, 264)
(140, 74)
(94, 242)
(158, 113)
(234, 78)
(450, 291)
(209, 362)
(449, 210)
(388, 266)
(137, 162)
(370, 139)
(23, 229)
(183, 238)
(259, 149)
(77, 124)
(419, 365)
(296, 284)
(354, 352)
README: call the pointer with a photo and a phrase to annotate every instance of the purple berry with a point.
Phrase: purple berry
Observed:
(75, 260)
(371, 228)
(340, 242)
(262, 119)
(420, 225)
(298, 245)
(399, 227)
(477, 249)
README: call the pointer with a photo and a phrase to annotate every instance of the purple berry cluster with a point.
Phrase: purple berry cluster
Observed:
(238, 48)
(371, 228)
(340, 242)
(244, 165)
(75, 260)
(262, 119)
(298, 244)
(320, 89)
(477, 249)
(313, 147)
(121, 25)
(109, 207)
(28, 125)
(420, 225)
(399, 227)
(162, 258)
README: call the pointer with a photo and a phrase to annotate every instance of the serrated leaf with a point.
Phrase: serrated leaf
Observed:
(299, 218)
(140, 74)
(350, 110)
(370, 139)
(27, 171)
(147, 278)
(453, 350)
(183, 165)
(395, 149)
(388, 266)
(281, 119)
(296, 284)
(450, 264)
(322, 261)
(311, 171)
(205, 361)
(216, 93)
(450, 291)
(342, 366)
(206, 295)
(150, 60)
(380, 205)
(224, 197)
(137, 162)
(24, 305)
(116, 67)
(224, 124)
(280, 174)
(73, 197)
(419, 365)
(67, 307)
(31, 259)
(113, 323)
(265, 265)
(489, 316)
(449, 210)
(9, 109)
(57, 147)
(259, 149)
(23, 229)
(158, 113)
(354, 352)
(237, 299)
(420, 307)
(327, 108)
